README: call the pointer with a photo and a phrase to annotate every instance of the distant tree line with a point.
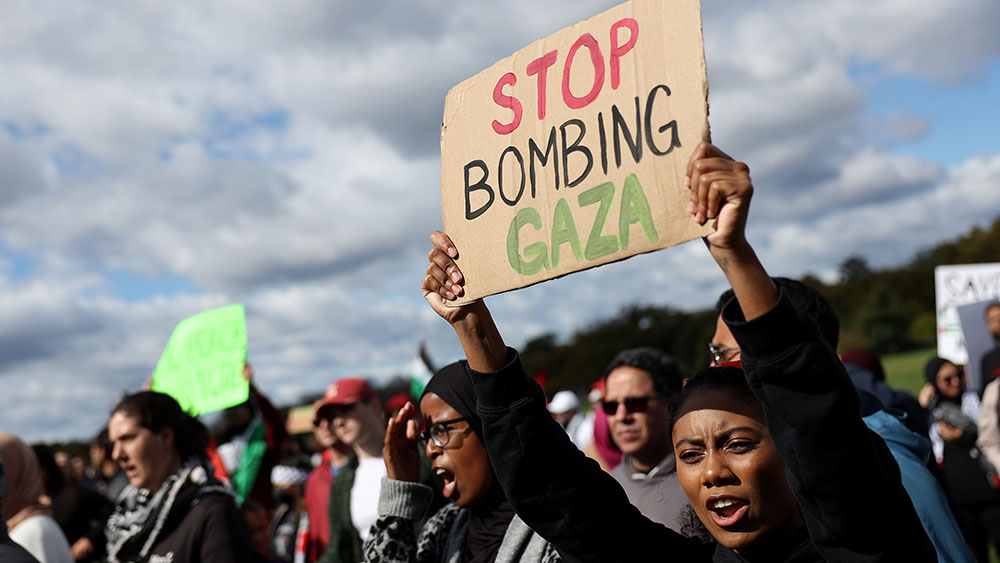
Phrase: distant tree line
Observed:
(889, 310)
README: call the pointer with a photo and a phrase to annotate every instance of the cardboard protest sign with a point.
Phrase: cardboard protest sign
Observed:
(572, 152)
(202, 366)
(955, 286)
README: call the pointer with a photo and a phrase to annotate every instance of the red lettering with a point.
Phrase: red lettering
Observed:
(586, 40)
(509, 102)
(617, 51)
(540, 66)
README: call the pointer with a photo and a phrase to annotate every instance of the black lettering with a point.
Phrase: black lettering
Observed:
(675, 140)
(575, 147)
(634, 143)
(520, 161)
(479, 185)
(543, 158)
(604, 142)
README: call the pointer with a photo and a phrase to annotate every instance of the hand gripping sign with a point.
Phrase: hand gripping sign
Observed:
(572, 152)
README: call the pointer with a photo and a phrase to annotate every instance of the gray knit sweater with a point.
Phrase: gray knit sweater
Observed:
(392, 538)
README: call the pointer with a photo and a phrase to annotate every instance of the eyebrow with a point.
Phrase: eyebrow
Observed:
(723, 435)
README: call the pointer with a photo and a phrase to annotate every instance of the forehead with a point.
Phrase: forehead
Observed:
(630, 381)
(947, 369)
(715, 411)
(993, 312)
(435, 409)
(121, 424)
(723, 337)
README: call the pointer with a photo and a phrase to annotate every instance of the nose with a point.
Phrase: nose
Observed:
(431, 449)
(716, 472)
(117, 453)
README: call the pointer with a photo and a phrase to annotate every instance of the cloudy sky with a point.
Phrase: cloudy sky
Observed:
(158, 159)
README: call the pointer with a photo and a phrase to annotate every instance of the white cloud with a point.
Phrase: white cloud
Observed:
(285, 155)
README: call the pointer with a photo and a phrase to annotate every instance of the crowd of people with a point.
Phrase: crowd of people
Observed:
(779, 450)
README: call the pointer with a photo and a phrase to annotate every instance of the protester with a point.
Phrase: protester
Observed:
(29, 522)
(902, 423)
(257, 521)
(10, 551)
(317, 492)
(479, 525)
(956, 411)
(641, 386)
(734, 448)
(109, 478)
(358, 422)
(80, 511)
(289, 526)
(989, 365)
(173, 508)
(603, 449)
(565, 408)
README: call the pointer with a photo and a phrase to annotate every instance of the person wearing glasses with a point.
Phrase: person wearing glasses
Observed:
(479, 524)
(641, 386)
(335, 455)
(773, 456)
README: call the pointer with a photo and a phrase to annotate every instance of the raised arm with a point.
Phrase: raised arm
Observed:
(555, 489)
(842, 474)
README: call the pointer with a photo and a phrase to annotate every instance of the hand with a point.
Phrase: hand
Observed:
(926, 395)
(400, 453)
(715, 180)
(948, 432)
(444, 280)
(82, 548)
(248, 372)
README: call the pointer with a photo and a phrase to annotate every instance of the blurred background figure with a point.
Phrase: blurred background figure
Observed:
(109, 478)
(989, 366)
(257, 521)
(29, 522)
(565, 408)
(335, 455)
(956, 411)
(602, 449)
(289, 527)
(10, 551)
(80, 510)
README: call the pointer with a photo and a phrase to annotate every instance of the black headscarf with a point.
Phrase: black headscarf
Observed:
(931, 370)
(488, 522)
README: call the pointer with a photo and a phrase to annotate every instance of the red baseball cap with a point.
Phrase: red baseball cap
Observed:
(346, 391)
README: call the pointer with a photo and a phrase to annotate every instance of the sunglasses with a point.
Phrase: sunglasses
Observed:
(330, 412)
(722, 355)
(632, 405)
(438, 432)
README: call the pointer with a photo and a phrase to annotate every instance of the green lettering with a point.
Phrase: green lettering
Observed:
(635, 207)
(599, 245)
(536, 250)
(563, 231)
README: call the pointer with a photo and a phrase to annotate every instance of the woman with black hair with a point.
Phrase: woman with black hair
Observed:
(479, 525)
(173, 509)
(786, 473)
(956, 410)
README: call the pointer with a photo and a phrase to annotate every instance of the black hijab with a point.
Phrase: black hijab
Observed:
(488, 522)
(931, 370)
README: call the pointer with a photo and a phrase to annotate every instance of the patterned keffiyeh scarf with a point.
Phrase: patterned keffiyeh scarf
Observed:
(139, 517)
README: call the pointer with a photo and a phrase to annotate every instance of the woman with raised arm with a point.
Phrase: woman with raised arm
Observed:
(479, 525)
(773, 457)
(173, 509)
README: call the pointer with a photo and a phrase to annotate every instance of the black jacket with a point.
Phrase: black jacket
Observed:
(212, 531)
(845, 480)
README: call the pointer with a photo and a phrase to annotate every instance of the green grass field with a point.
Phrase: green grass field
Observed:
(906, 371)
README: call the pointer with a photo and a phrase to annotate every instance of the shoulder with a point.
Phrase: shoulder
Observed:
(41, 536)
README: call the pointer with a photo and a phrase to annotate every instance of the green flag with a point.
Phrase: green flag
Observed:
(202, 366)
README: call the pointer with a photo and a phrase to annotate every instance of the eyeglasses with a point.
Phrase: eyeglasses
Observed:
(438, 432)
(632, 405)
(722, 355)
(330, 412)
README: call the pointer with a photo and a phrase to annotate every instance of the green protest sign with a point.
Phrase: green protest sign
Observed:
(202, 366)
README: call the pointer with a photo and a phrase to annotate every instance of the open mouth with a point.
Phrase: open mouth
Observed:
(449, 481)
(727, 511)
